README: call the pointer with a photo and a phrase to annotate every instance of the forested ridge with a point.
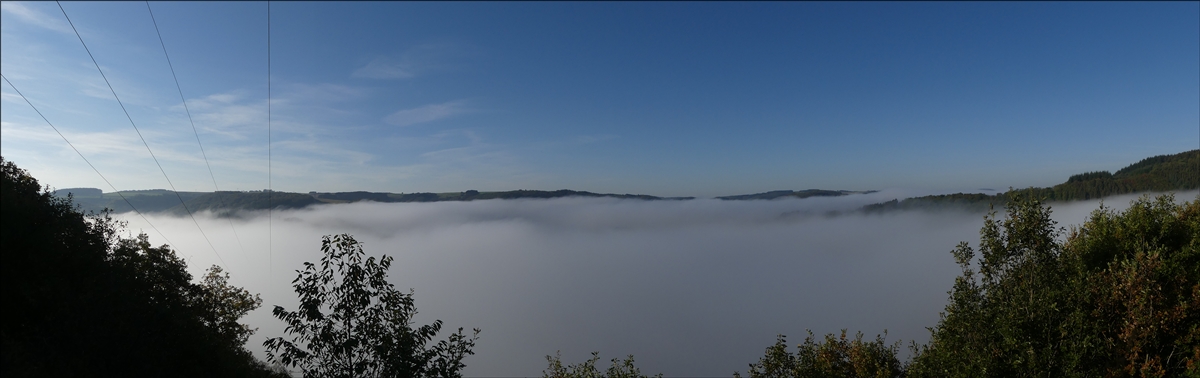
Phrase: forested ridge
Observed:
(774, 194)
(1162, 173)
(227, 202)
(1155, 174)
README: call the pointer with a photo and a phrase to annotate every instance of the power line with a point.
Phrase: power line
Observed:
(270, 187)
(89, 163)
(189, 114)
(139, 133)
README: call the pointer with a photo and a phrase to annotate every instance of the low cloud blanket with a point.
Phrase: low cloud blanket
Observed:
(690, 288)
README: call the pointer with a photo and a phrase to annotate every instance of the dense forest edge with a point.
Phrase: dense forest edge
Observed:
(83, 300)
(1155, 174)
(1163, 173)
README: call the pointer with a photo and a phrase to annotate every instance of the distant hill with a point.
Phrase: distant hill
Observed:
(153, 200)
(1154, 174)
(793, 194)
(227, 202)
(471, 195)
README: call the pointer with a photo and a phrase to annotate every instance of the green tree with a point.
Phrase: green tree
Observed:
(82, 301)
(587, 369)
(1117, 298)
(224, 304)
(836, 357)
(353, 323)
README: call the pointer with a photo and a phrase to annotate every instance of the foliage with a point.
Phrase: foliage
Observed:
(836, 357)
(226, 304)
(587, 369)
(1115, 297)
(1088, 176)
(1118, 298)
(1154, 174)
(353, 323)
(82, 301)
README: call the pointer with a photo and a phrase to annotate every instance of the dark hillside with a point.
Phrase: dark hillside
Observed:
(81, 301)
(469, 195)
(153, 200)
(793, 194)
(1162, 173)
(227, 202)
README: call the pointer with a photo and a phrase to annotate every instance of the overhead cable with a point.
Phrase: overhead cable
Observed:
(189, 114)
(139, 132)
(270, 187)
(89, 163)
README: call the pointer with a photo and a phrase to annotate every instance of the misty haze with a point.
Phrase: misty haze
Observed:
(692, 189)
(690, 288)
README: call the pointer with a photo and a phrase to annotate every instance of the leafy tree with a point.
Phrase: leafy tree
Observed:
(225, 304)
(1139, 289)
(353, 323)
(836, 357)
(587, 369)
(1118, 298)
(82, 301)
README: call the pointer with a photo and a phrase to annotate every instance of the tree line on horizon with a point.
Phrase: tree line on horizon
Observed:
(1161, 173)
(1154, 174)
(1114, 297)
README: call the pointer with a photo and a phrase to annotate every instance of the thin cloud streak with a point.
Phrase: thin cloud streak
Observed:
(427, 113)
(415, 61)
(383, 68)
(35, 17)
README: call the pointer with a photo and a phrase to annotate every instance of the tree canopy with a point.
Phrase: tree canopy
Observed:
(1117, 298)
(80, 300)
(353, 323)
(587, 369)
(835, 357)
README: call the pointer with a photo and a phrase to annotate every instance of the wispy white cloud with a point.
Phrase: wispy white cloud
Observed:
(35, 17)
(385, 68)
(303, 108)
(5, 96)
(427, 113)
(228, 114)
(589, 139)
(417, 60)
(323, 92)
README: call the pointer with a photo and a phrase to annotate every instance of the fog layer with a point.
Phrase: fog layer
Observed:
(691, 288)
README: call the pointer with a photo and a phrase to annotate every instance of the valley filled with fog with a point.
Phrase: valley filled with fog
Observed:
(690, 288)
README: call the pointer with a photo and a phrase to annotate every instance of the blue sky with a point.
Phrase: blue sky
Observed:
(697, 99)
